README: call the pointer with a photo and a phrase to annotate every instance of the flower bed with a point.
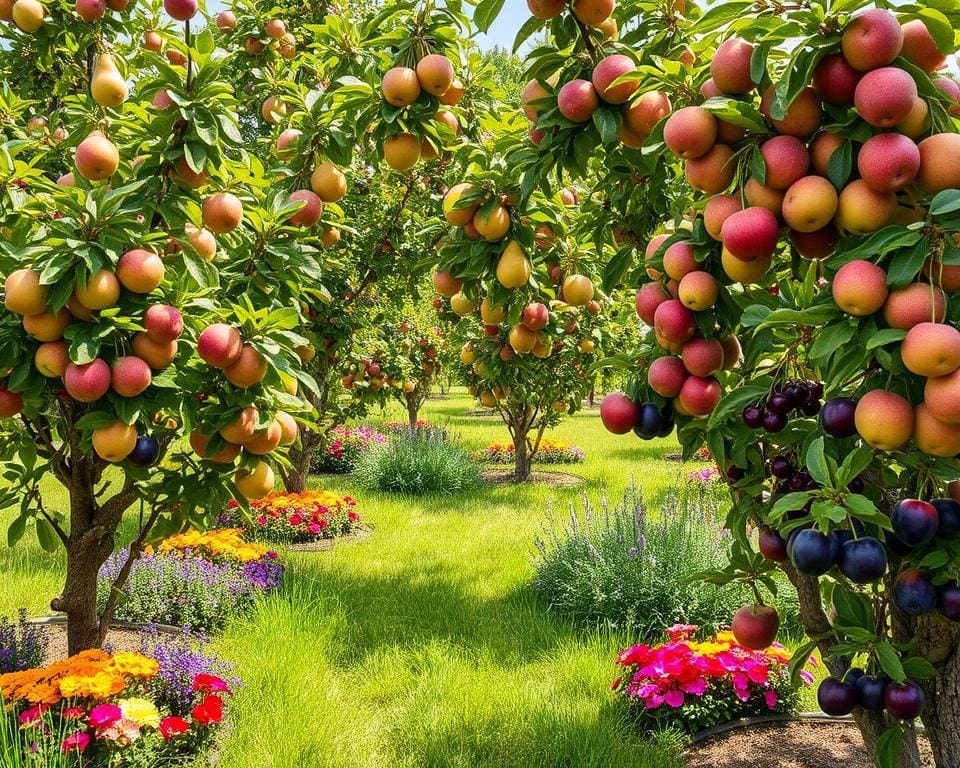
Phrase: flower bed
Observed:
(691, 685)
(549, 452)
(99, 709)
(345, 446)
(298, 518)
(196, 580)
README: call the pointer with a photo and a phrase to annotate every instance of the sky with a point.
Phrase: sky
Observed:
(504, 29)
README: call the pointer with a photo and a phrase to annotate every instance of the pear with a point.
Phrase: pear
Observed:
(513, 269)
(108, 87)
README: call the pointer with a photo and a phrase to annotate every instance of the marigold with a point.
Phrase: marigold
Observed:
(221, 544)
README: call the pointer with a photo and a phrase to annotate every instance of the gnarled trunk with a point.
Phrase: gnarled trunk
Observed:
(413, 403)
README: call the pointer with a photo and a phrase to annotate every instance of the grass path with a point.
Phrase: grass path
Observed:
(423, 646)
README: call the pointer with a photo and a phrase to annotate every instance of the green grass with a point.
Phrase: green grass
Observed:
(423, 645)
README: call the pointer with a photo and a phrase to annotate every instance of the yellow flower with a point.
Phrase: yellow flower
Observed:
(134, 665)
(142, 711)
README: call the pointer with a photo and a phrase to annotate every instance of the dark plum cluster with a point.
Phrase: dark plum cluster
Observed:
(795, 397)
(902, 701)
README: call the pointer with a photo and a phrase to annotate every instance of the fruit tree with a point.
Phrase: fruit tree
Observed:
(133, 212)
(798, 304)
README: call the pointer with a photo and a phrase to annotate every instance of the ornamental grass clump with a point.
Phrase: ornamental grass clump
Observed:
(22, 644)
(628, 569)
(690, 684)
(416, 463)
(99, 709)
(196, 580)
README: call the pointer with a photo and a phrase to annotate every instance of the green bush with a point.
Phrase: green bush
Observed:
(418, 462)
(626, 569)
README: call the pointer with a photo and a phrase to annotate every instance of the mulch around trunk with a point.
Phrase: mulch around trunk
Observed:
(325, 545)
(555, 479)
(118, 639)
(794, 744)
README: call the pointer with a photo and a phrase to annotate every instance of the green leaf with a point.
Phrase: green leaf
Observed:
(47, 536)
(831, 339)
(606, 123)
(889, 661)
(818, 315)
(817, 462)
(880, 243)
(907, 264)
(719, 16)
(918, 668)
(790, 502)
(758, 166)
(945, 202)
(840, 164)
(887, 748)
(853, 464)
(486, 12)
(799, 660)
(886, 336)
(16, 530)
(531, 25)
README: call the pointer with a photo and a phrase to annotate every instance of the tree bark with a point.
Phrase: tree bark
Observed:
(301, 458)
(938, 640)
(413, 408)
(521, 458)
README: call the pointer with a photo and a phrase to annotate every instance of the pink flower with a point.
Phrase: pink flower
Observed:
(73, 713)
(261, 520)
(32, 715)
(674, 699)
(173, 726)
(210, 684)
(770, 699)
(104, 715)
(697, 687)
(314, 529)
(78, 741)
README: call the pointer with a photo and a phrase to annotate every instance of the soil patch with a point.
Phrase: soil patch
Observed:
(119, 638)
(325, 545)
(555, 479)
(804, 744)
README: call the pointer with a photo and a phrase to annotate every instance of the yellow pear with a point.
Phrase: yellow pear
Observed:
(28, 15)
(513, 269)
(108, 87)
(490, 314)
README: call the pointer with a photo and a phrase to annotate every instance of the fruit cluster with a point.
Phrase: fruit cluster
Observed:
(431, 80)
(620, 414)
(801, 398)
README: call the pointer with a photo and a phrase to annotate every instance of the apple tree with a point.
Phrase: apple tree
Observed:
(141, 302)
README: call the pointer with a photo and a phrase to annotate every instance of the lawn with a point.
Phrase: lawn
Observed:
(423, 645)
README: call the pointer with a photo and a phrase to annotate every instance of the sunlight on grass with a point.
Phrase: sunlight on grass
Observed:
(423, 645)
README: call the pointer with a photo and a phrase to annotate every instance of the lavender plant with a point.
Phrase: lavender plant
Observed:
(628, 569)
(22, 644)
(186, 591)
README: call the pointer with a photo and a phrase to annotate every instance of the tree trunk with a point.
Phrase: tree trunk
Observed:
(413, 409)
(301, 458)
(521, 458)
(592, 395)
(88, 547)
(938, 640)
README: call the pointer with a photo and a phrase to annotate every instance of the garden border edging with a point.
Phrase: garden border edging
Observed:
(746, 722)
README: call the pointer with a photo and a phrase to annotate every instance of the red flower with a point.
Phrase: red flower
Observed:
(209, 711)
(295, 520)
(353, 516)
(322, 523)
(173, 726)
(210, 684)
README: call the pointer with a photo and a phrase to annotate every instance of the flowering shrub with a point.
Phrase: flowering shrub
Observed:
(691, 685)
(706, 475)
(295, 518)
(550, 452)
(345, 447)
(195, 580)
(22, 645)
(418, 462)
(180, 660)
(97, 709)
(422, 427)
